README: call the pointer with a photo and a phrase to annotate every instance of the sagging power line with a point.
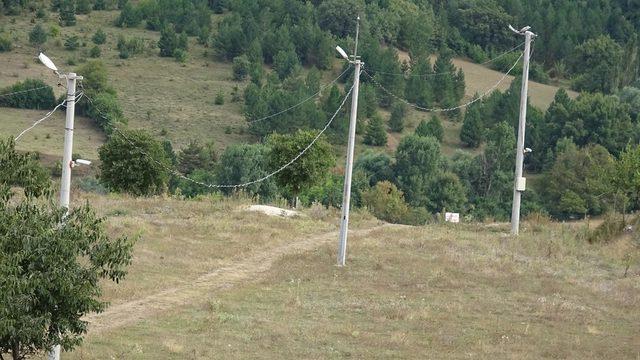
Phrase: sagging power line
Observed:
(303, 101)
(230, 186)
(487, 92)
(449, 72)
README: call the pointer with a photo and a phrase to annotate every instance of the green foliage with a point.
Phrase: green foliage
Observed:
(310, 169)
(83, 6)
(196, 156)
(5, 43)
(447, 193)
(35, 99)
(472, 132)
(367, 101)
(38, 35)
(376, 166)
(241, 66)
(376, 135)
(52, 267)
(170, 42)
(134, 163)
(95, 52)
(95, 77)
(419, 88)
(626, 177)
(286, 63)
(396, 121)
(432, 128)
(596, 65)
(328, 193)
(129, 47)
(418, 161)
(386, 202)
(631, 96)
(578, 184)
(483, 23)
(106, 111)
(337, 16)
(72, 43)
(130, 16)
(242, 163)
(100, 37)
(219, 100)
(67, 13)
(100, 5)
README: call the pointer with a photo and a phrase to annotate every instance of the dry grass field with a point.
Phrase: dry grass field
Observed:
(210, 280)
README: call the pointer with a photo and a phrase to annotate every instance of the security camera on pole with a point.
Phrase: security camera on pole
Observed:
(346, 195)
(520, 182)
(67, 161)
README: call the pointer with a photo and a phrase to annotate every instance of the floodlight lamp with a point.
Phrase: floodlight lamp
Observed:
(83, 162)
(527, 150)
(47, 62)
(342, 53)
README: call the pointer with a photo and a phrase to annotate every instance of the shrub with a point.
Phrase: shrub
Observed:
(386, 202)
(241, 67)
(5, 43)
(219, 100)
(95, 52)
(180, 55)
(99, 38)
(72, 43)
(36, 99)
(134, 163)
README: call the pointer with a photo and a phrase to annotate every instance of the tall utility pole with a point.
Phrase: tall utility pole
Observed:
(520, 182)
(67, 161)
(346, 195)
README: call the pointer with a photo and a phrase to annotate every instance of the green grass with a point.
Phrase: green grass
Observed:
(407, 292)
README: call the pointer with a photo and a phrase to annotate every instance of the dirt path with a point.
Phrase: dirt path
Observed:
(223, 278)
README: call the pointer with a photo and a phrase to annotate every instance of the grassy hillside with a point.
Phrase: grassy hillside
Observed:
(174, 100)
(245, 285)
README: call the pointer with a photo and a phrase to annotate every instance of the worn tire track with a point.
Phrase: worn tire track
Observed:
(250, 268)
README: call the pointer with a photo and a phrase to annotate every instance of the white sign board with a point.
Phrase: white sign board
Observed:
(452, 217)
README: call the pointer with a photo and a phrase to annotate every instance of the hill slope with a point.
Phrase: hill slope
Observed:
(266, 287)
(174, 100)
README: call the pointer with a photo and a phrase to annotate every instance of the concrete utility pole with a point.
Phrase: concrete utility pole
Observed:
(67, 161)
(520, 182)
(346, 195)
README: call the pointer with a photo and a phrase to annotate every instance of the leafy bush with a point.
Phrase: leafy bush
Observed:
(72, 43)
(95, 52)
(5, 43)
(241, 66)
(36, 99)
(386, 203)
(219, 100)
(134, 163)
(99, 38)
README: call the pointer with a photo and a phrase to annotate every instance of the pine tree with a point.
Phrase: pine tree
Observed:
(83, 6)
(67, 13)
(37, 36)
(431, 128)
(472, 132)
(396, 122)
(168, 42)
(375, 134)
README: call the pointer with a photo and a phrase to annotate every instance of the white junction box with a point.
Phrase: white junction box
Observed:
(521, 184)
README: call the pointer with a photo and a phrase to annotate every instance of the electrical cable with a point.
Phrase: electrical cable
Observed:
(41, 120)
(23, 91)
(448, 109)
(303, 101)
(219, 186)
(450, 72)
